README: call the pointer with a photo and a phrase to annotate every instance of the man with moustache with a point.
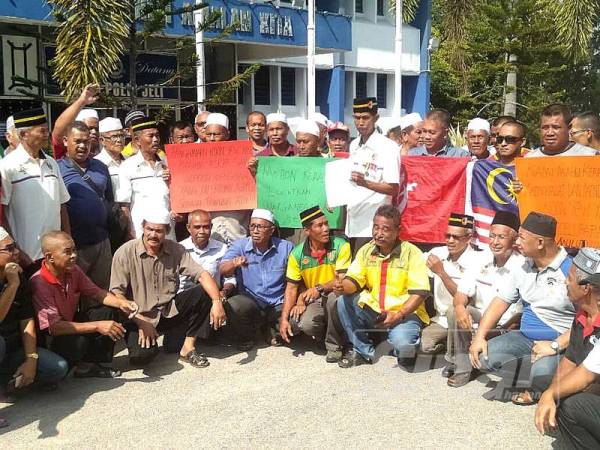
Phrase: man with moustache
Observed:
(338, 138)
(435, 137)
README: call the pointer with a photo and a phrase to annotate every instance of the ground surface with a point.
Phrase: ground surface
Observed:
(269, 398)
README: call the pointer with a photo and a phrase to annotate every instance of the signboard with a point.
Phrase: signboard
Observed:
(19, 59)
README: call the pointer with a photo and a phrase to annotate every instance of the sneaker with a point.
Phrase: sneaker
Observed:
(333, 356)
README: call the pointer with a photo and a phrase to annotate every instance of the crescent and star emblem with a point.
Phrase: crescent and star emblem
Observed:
(509, 186)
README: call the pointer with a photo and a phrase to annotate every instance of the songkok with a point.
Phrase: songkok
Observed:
(159, 216)
(10, 123)
(217, 119)
(264, 214)
(362, 105)
(588, 260)
(276, 117)
(321, 119)
(142, 123)
(3, 234)
(309, 215)
(338, 126)
(540, 224)
(479, 124)
(410, 120)
(131, 115)
(86, 114)
(308, 126)
(508, 219)
(30, 118)
(109, 124)
(461, 220)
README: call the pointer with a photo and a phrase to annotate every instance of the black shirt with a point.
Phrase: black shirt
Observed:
(580, 345)
(20, 309)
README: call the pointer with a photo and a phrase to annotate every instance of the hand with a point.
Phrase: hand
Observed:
(478, 346)
(217, 315)
(541, 349)
(545, 413)
(517, 185)
(298, 310)
(463, 318)
(435, 264)
(12, 271)
(392, 319)
(166, 175)
(176, 217)
(309, 296)
(285, 330)
(89, 94)
(239, 261)
(252, 165)
(147, 334)
(358, 178)
(110, 328)
(128, 307)
(27, 369)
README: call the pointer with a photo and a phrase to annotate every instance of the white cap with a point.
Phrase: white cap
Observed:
(321, 119)
(217, 119)
(308, 126)
(410, 120)
(3, 234)
(109, 124)
(159, 216)
(263, 214)
(479, 124)
(10, 123)
(387, 123)
(276, 117)
(87, 114)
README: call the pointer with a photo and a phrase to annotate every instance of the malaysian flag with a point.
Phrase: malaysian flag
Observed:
(491, 190)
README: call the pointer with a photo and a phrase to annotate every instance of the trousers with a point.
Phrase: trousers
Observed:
(246, 316)
(579, 421)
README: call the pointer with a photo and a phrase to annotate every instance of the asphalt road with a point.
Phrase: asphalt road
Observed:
(268, 398)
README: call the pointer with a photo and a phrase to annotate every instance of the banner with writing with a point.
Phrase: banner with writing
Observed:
(567, 188)
(212, 176)
(287, 186)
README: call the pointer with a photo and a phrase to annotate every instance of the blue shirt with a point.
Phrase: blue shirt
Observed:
(87, 212)
(263, 278)
(446, 151)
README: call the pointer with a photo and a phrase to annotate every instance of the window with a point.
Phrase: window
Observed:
(358, 6)
(380, 7)
(262, 86)
(361, 84)
(288, 86)
(381, 90)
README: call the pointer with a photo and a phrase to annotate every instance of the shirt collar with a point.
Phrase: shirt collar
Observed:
(463, 258)
(48, 276)
(306, 247)
(554, 265)
(24, 155)
(395, 251)
(211, 245)
(249, 247)
(140, 249)
(582, 317)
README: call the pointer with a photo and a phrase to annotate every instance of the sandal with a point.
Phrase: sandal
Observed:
(195, 359)
(97, 371)
(523, 399)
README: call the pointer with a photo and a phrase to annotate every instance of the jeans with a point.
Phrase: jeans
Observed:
(404, 337)
(510, 355)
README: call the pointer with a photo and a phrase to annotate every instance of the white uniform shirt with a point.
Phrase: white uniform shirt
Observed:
(484, 282)
(113, 168)
(34, 192)
(142, 186)
(573, 150)
(379, 160)
(456, 270)
(209, 258)
(592, 360)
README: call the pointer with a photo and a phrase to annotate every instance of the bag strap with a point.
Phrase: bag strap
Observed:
(86, 178)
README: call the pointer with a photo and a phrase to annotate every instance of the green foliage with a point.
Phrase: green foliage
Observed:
(409, 9)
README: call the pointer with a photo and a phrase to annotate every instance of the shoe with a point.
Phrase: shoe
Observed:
(462, 378)
(333, 356)
(97, 371)
(195, 359)
(448, 370)
(352, 359)
(245, 346)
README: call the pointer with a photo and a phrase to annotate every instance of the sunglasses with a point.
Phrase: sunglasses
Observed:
(456, 237)
(508, 139)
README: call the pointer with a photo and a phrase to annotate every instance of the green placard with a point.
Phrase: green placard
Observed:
(288, 185)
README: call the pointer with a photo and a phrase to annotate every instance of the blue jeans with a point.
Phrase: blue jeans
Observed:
(404, 337)
(510, 356)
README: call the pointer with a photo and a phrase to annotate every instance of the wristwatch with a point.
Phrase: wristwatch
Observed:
(555, 346)
(32, 355)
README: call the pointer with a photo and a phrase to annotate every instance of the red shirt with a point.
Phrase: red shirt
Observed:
(268, 151)
(54, 301)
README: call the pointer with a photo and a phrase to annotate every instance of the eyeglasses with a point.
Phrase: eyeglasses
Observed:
(456, 237)
(508, 139)
(576, 132)
(200, 124)
(10, 248)
(115, 138)
(256, 226)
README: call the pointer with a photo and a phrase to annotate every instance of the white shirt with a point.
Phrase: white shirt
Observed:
(379, 160)
(456, 270)
(34, 191)
(483, 283)
(113, 168)
(573, 150)
(592, 360)
(209, 258)
(142, 186)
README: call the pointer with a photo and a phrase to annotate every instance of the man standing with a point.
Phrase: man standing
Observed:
(129, 149)
(547, 313)
(258, 263)
(112, 140)
(277, 132)
(308, 138)
(11, 135)
(149, 268)
(411, 133)
(88, 182)
(384, 288)
(435, 137)
(216, 128)
(584, 129)
(313, 266)
(448, 265)
(200, 124)
(339, 139)
(510, 142)
(33, 192)
(182, 132)
(376, 169)
(256, 127)
(478, 138)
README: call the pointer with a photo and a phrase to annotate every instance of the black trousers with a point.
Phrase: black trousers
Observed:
(245, 316)
(194, 314)
(93, 347)
(579, 421)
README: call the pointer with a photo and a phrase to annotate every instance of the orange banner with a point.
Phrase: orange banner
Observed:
(567, 188)
(212, 176)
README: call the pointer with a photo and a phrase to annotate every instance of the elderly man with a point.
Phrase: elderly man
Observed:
(88, 182)
(308, 135)
(33, 192)
(256, 127)
(309, 306)
(584, 129)
(277, 133)
(475, 292)
(448, 265)
(554, 131)
(112, 140)
(384, 289)
(510, 142)
(11, 135)
(338, 139)
(258, 263)
(435, 137)
(323, 123)
(411, 133)
(129, 149)
(149, 268)
(85, 338)
(547, 313)
(376, 170)
(216, 128)
(182, 132)
(200, 124)
(478, 138)
(578, 417)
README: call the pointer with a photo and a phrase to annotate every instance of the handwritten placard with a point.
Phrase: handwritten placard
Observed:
(289, 185)
(212, 176)
(567, 188)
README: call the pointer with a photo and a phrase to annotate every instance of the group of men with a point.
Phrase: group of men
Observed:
(89, 256)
